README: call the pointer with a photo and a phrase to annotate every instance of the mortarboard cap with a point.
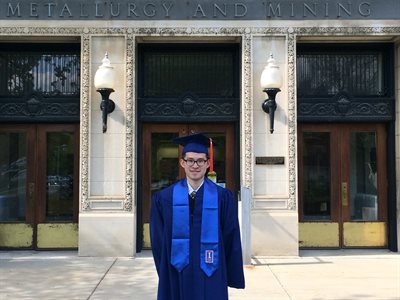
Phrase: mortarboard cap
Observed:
(197, 143)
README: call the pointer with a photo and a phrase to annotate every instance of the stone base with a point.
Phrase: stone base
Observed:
(274, 233)
(107, 234)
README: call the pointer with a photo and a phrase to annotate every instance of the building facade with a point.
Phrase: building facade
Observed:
(327, 177)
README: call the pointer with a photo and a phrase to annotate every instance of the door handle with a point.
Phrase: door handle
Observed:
(31, 193)
(345, 200)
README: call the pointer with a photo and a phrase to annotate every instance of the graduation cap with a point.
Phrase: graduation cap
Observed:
(197, 143)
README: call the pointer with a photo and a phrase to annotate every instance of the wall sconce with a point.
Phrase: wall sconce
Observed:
(104, 81)
(271, 81)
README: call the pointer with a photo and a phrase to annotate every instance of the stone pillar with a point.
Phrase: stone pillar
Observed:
(106, 223)
(274, 214)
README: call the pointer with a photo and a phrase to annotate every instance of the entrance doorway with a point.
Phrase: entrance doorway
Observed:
(39, 180)
(342, 185)
(160, 160)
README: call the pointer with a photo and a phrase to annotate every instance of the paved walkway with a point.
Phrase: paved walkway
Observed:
(340, 274)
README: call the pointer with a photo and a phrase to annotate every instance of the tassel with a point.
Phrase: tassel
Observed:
(211, 174)
(211, 156)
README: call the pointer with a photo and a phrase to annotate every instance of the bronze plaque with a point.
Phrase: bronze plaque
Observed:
(270, 160)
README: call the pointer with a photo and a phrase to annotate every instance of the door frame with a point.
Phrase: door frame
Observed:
(35, 185)
(340, 157)
(144, 147)
(42, 161)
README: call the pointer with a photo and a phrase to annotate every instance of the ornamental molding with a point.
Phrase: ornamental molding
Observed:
(130, 127)
(85, 123)
(198, 31)
(245, 33)
(130, 149)
(292, 121)
(247, 115)
(346, 109)
(36, 109)
(186, 109)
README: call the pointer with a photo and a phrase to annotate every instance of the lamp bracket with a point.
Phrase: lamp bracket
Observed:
(269, 105)
(110, 105)
(106, 105)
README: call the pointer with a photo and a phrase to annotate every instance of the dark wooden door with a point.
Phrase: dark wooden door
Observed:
(342, 185)
(39, 183)
(160, 160)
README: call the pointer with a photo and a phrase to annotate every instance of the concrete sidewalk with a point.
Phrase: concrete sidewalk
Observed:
(339, 274)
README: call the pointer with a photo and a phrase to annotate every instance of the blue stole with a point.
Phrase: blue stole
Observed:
(181, 228)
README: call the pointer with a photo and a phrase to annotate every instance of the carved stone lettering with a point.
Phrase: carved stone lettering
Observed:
(207, 10)
(83, 13)
(65, 11)
(34, 12)
(149, 10)
(50, 9)
(199, 10)
(13, 11)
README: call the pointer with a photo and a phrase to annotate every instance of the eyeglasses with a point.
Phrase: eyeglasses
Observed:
(190, 162)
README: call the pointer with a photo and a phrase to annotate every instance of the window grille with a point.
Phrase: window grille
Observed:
(345, 82)
(206, 73)
(48, 74)
(39, 82)
(326, 74)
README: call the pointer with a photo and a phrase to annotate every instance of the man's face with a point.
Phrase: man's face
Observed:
(195, 172)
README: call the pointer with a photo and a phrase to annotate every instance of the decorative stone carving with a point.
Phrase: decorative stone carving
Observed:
(33, 106)
(247, 115)
(85, 113)
(188, 106)
(292, 120)
(342, 103)
(34, 109)
(129, 147)
(346, 109)
(186, 109)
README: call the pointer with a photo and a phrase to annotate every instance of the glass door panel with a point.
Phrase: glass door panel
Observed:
(164, 161)
(13, 168)
(316, 176)
(17, 186)
(363, 177)
(60, 176)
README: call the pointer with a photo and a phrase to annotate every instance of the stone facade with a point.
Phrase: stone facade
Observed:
(108, 162)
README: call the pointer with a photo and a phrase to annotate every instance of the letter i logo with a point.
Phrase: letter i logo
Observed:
(209, 256)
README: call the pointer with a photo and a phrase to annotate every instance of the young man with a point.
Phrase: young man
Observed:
(194, 232)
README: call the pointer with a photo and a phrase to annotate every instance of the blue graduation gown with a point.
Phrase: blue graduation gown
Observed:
(192, 283)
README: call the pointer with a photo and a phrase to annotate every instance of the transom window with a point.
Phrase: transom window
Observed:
(39, 82)
(329, 69)
(204, 70)
(45, 69)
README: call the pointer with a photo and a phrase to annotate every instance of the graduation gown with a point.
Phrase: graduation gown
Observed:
(192, 283)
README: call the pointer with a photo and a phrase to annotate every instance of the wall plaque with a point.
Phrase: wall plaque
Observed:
(270, 160)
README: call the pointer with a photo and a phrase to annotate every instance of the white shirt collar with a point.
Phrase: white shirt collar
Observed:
(192, 189)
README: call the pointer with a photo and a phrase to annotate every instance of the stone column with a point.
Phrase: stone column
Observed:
(106, 220)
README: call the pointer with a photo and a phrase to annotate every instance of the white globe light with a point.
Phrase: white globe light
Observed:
(105, 75)
(271, 77)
